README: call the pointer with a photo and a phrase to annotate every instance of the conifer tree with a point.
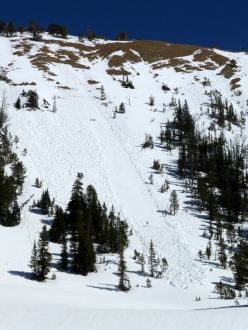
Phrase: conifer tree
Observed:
(54, 104)
(103, 96)
(124, 283)
(33, 262)
(174, 204)
(44, 257)
(222, 253)
(122, 108)
(152, 262)
(141, 261)
(64, 254)
(18, 103)
(58, 228)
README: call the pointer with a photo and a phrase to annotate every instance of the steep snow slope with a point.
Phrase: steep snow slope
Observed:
(84, 137)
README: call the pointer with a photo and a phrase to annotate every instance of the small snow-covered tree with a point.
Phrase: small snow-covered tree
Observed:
(103, 96)
(54, 104)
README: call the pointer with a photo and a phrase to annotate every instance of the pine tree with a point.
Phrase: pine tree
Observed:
(174, 204)
(141, 261)
(44, 257)
(122, 108)
(152, 262)
(54, 104)
(151, 100)
(64, 254)
(103, 96)
(18, 103)
(222, 253)
(58, 228)
(124, 283)
(33, 262)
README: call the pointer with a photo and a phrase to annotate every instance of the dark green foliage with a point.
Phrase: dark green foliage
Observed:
(156, 165)
(174, 204)
(3, 74)
(64, 263)
(45, 202)
(18, 174)
(33, 262)
(152, 262)
(90, 35)
(151, 100)
(18, 103)
(32, 100)
(224, 291)
(10, 185)
(222, 253)
(121, 36)
(124, 283)
(239, 265)
(148, 142)
(44, 257)
(57, 30)
(103, 96)
(58, 228)
(122, 108)
(165, 88)
(127, 83)
(89, 222)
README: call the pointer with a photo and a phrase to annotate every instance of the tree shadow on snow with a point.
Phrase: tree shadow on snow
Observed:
(47, 222)
(26, 275)
(104, 288)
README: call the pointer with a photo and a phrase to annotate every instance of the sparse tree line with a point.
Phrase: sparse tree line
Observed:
(9, 29)
(215, 173)
(11, 183)
(30, 101)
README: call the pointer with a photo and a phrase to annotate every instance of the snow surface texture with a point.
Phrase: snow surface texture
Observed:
(83, 136)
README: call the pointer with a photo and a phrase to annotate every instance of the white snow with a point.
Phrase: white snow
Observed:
(83, 137)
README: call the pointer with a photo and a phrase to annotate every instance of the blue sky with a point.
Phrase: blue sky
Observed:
(203, 23)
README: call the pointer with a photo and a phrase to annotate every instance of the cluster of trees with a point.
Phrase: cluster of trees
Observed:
(9, 30)
(31, 100)
(57, 30)
(11, 183)
(126, 83)
(215, 172)
(84, 223)
(224, 112)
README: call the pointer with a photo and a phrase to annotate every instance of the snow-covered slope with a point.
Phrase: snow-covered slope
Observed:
(83, 136)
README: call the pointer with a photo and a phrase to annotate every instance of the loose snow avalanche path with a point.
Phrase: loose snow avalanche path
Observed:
(82, 137)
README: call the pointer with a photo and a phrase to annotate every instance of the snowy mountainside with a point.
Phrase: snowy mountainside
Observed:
(83, 136)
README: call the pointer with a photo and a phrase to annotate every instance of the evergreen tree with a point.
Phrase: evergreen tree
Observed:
(58, 228)
(141, 261)
(122, 108)
(44, 257)
(239, 265)
(103, 96)
(54, 104)
(18, 103)
(222, 253)
(174, 204)
(64, 254)
(152, 262)
(33, 262)
(124, 283)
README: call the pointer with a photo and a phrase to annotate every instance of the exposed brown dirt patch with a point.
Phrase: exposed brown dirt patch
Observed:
(24, 84)
(235, 87)
(92, 82)
(206, 54)
(63, 87)
(114, 72)
(227, 71)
